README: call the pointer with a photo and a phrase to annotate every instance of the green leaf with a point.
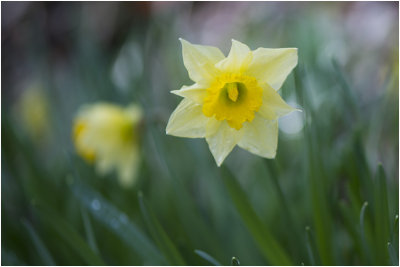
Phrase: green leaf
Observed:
(381, 218)
(363, 242)
(89, 231)
(268, 245)
(207, 257)
(362, 215)
(298, 81)
(289, 222)
(394, 260)
(163, 241)
(321, 215)
(189, 212)
(310, 246)
(70, 236)
(9, 258)
(395, 231)
(352, 226)
(118, 222)
(39, 245)
(348, 93)
(235, 261)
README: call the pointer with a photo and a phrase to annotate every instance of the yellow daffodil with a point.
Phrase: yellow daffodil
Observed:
(107, 135)
(234, 99)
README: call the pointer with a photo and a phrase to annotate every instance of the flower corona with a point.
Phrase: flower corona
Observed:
(233, 98)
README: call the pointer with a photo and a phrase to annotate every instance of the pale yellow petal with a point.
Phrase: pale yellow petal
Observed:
(272, 66)
(267, 113)
(238, 59)
(104, 164)
(260, 137)
(212, 126)
(223, 141)
(194, 92)
(128, 167)
(273, 106)
(134, 112)
(199, 61)
(187, 120)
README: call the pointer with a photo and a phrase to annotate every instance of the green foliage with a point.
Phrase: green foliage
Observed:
(119, 223)
(40, 247)
(268, 245)
(235, 261)
(164, 242)
(330, 197)
(207, 257)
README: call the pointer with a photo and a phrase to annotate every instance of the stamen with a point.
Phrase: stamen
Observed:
(233, 91)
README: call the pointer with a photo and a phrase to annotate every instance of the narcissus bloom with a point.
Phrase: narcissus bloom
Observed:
(107, 135)
(33, 109)
(234, 99)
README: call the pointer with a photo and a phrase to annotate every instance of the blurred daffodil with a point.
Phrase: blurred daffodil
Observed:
(233, 100)
(107, 135)
(33, 109)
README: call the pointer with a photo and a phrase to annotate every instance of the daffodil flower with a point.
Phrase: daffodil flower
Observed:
(107, 135)
(234, 99)
(33, 109)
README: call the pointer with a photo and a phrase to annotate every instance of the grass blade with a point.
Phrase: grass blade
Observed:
(118, 222)
(39, 245)
(70, 236)
(290, 223)
(268, 245)
(89, 231)
(363, 242)
(9, 258)
(381, 218)
(164, 242)
(321, 215)
(207, 257)
(394, 260)
(310, 246)
(189, 211)
(348, 93)
(235, 261)
(395, 232)
(362, 215)
(352, 226)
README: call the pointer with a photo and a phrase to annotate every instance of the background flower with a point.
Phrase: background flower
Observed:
(32, 109)
(109, 136)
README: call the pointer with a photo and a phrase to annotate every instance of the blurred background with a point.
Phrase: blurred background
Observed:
(307, 205)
